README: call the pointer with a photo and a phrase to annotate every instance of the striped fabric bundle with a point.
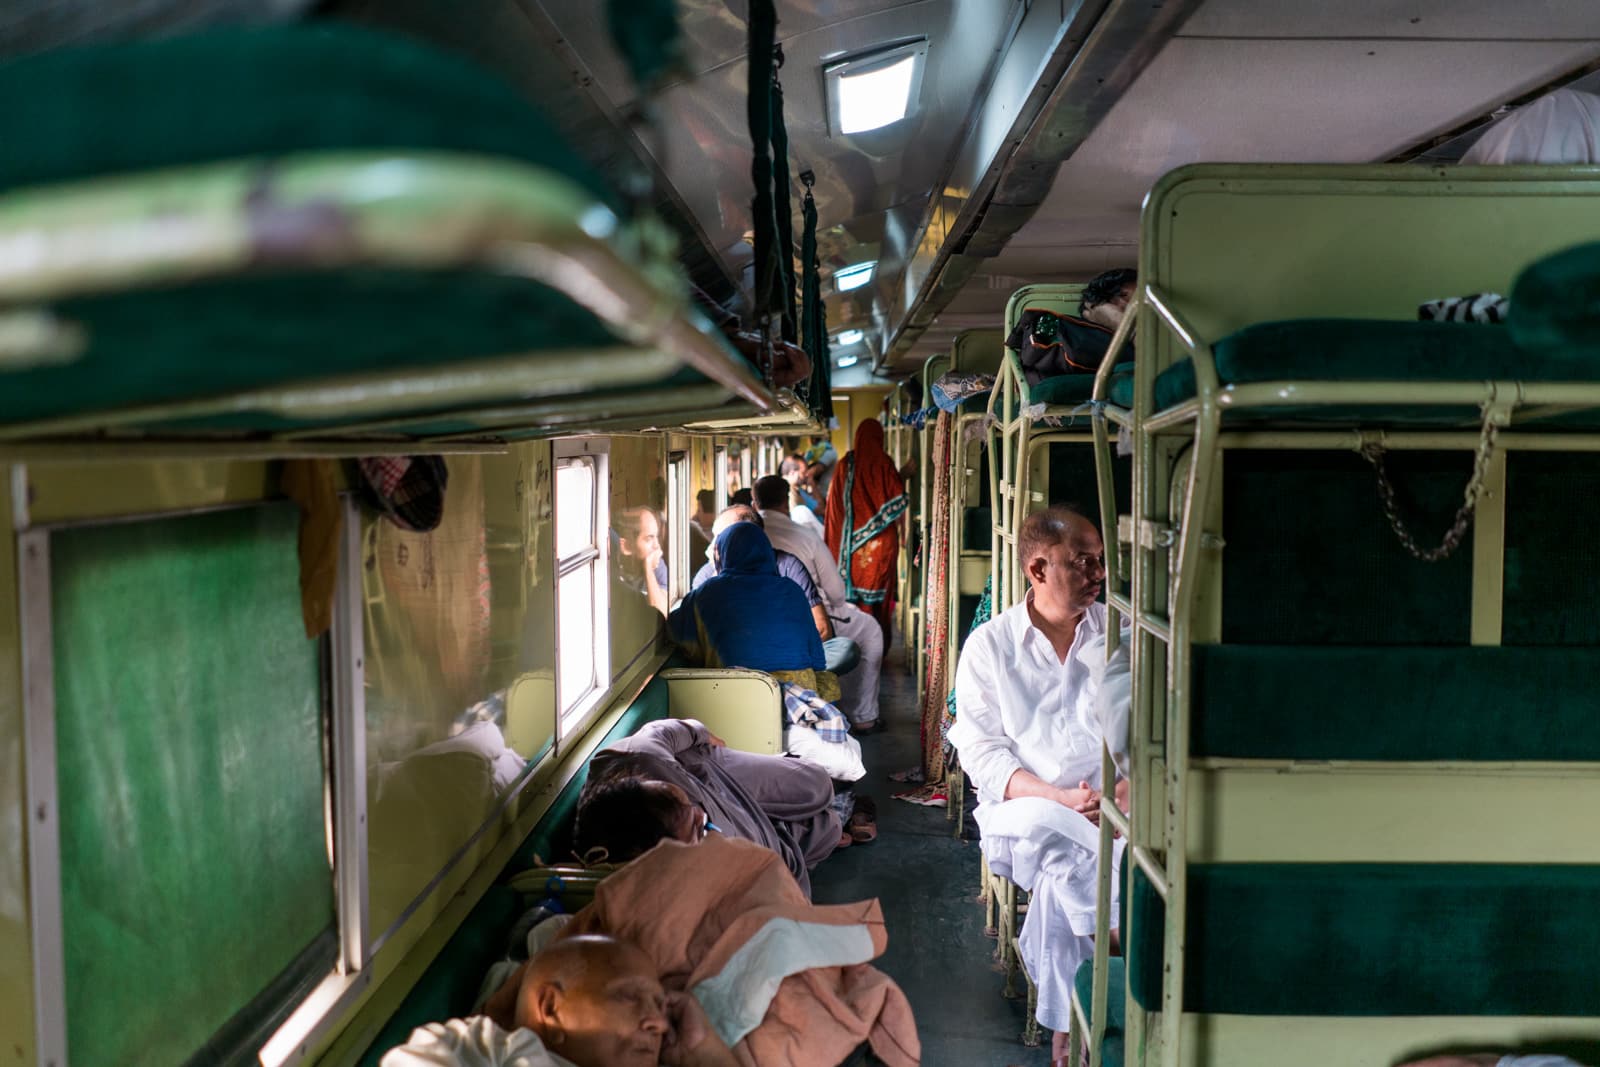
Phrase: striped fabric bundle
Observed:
(804, 707)
(1479, 307)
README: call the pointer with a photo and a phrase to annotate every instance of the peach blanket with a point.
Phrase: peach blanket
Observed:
(785, 982)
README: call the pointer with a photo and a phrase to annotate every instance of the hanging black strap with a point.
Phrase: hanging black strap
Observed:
(783, 205)
(763, 34)
(813, 313)
(646, 32)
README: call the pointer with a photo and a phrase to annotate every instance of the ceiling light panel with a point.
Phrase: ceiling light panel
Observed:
(877, 89)
(854, 276)
(848, 337)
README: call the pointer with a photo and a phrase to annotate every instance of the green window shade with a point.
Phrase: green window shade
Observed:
(194, 862)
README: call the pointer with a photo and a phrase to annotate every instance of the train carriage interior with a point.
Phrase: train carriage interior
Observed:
(1167, 635)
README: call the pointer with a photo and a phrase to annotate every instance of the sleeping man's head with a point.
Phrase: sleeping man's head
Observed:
(596, 1002)
(626, 817)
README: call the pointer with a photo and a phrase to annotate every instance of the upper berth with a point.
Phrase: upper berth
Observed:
(341, 235)
(1287, 294)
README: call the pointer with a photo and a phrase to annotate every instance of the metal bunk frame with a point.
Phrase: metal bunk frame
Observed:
(1015, 452)
(1176, 511)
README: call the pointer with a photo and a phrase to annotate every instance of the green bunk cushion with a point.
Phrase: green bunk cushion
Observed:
(448, 987)
(1074, 479)
(1332, 350)
(1555, 307)
(1396, 703)
(1120, 387)
(1143, 950)
(977, 529)
(1113, 1045)
(228, 335)
(1073, 389)
(1062, 390)
(1551, 549)
(264, 91)
(1310, 559)
(966, 611)
(1366, 939)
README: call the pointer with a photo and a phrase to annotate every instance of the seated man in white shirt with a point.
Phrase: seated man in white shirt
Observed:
(1034, 697)
(860, 686)
(793, 470)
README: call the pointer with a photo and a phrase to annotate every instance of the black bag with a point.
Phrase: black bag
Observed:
(1051, 344)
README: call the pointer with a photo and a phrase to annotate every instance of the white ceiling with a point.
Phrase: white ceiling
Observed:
(1267, 81)
(1347, 81)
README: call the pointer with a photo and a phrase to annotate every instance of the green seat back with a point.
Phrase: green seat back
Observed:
(1366, 939)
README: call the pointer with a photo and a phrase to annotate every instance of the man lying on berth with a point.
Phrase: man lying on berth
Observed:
(1036, 696)
(1105, 299)
(784, 983)
(839, 651)
(675, 779)
(590, 1001)
(860, 689)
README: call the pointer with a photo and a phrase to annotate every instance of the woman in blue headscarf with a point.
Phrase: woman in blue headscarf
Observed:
(749, 615)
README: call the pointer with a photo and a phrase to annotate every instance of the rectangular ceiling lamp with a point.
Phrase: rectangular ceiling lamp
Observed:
(854, 276)
(848, 337)
(875, 89)
(848, 361)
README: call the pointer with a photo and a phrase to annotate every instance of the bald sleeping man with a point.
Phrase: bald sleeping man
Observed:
(591, 1001)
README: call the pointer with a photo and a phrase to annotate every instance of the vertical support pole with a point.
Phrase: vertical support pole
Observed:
(43, 812)
(1489, 553)
(349, 747)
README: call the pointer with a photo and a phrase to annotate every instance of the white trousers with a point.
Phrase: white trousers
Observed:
(860, 687)
(1051, 851)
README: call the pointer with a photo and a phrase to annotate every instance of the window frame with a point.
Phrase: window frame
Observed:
(680, 568)
(719, 463)
(575, 711)
(308, 1014)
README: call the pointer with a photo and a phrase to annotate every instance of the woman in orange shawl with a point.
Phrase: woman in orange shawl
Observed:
(866, 500)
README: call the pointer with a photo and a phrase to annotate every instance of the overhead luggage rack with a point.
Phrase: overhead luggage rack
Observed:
(354, 274)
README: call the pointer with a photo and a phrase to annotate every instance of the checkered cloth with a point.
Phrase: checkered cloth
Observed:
(804, 707)
(408, 489)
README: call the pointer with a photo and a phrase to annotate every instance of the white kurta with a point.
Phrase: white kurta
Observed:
(860, 687)
(1018, 707)
(474, 1042)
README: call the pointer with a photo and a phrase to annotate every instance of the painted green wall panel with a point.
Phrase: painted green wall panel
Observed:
(190, 763)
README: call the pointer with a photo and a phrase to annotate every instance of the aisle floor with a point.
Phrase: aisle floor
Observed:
(927, 881)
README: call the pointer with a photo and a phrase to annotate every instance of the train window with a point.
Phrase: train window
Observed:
(721, 455)
(680, 506)
(583, 670)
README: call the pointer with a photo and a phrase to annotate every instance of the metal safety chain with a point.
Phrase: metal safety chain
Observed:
(1374, 453)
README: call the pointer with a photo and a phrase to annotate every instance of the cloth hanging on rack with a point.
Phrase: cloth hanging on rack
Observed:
(936, 626)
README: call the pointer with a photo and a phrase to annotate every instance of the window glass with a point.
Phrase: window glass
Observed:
(575, 505)
(575, 642)
(639, 579)
(679, 508)
(459, 670)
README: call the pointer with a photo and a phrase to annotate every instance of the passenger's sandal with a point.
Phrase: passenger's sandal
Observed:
(863, 824)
